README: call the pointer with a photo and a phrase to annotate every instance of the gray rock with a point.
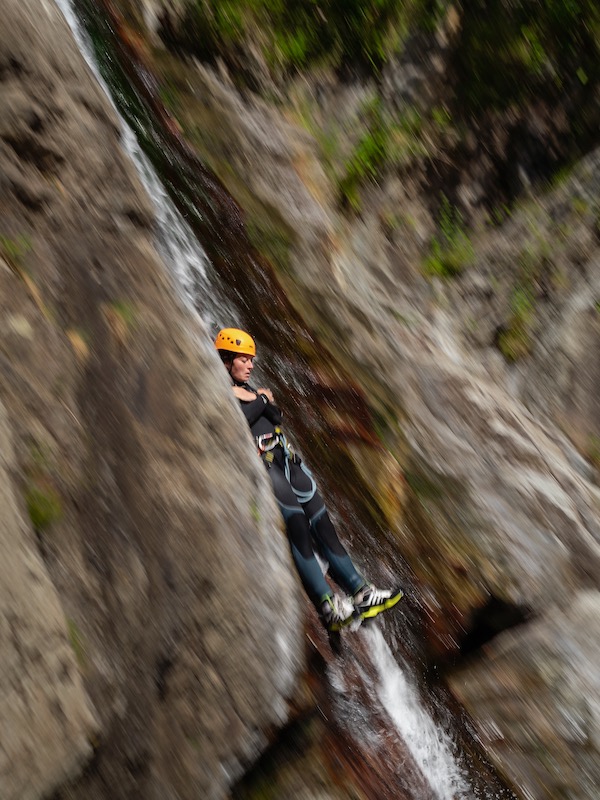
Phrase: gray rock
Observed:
(535, 699)
(46, 717)
(166, 549)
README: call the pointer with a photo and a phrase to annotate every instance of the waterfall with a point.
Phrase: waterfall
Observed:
(178, 246)
(430, 747)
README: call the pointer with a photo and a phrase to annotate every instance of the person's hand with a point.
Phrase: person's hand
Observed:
(243, 394)
(268, 393)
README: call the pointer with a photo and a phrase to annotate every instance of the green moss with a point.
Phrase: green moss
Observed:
(43, 505)
(76, 640)
(515, 341)
(126, 312)
(272, 240)
(14, 250)
(451, 249)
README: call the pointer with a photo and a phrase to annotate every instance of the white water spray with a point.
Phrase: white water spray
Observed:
(176, 242)
(430, 747)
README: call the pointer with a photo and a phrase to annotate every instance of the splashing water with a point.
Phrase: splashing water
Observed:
(430, 747)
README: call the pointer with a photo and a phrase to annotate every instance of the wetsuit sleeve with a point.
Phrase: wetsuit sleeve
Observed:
(273, 414)
(253, 410)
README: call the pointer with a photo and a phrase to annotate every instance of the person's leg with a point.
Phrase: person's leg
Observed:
(299, 537)
(341, 568)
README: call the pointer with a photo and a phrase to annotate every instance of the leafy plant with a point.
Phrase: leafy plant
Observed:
(387, 142)
(345, 34)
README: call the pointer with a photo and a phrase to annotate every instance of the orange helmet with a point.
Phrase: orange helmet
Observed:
(234, 340)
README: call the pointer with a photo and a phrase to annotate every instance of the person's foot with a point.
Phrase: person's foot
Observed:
(336, 612)
(370, 601)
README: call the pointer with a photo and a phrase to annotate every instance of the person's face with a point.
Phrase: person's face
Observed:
(241, 368)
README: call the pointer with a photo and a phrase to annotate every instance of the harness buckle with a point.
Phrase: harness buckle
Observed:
(267, 441)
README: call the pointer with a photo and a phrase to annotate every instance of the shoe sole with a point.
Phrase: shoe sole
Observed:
(371, 612)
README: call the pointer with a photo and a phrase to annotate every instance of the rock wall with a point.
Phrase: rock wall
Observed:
(143, 565)
(47, 719)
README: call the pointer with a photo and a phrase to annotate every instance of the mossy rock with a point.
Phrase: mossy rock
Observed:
(43, 505)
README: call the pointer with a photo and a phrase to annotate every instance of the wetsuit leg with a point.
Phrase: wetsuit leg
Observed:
(341, 568)
(299, 536)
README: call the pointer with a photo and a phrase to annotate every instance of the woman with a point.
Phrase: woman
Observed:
(308, 525)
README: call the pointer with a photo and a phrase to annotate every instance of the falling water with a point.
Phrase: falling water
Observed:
(430, 747)
(180, 249)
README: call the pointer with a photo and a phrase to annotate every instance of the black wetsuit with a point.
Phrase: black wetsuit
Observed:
(307, 522)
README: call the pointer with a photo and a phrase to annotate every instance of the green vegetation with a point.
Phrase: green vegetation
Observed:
(343, 34)
(43, 504)
(14, 250)
(125, 311)
(515, 340)
(508, 52)
(255, 512)
(121, 317)
(387, 141)
(76, 641)
(504, 52)
(451, 248)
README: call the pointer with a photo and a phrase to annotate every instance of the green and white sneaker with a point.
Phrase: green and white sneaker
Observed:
(370, 601)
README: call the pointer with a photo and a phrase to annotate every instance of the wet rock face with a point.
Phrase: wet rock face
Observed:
(136, 518)
(537, 699)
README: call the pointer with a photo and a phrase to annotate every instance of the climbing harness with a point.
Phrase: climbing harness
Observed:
(267, 443)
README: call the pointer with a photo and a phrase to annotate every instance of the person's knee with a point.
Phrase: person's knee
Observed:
(298, 532)
(326, 534)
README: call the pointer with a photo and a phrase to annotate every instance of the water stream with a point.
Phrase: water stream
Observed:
(389, 683)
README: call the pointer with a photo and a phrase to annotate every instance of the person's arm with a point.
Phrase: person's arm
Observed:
(256, 403)
(272, 412)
